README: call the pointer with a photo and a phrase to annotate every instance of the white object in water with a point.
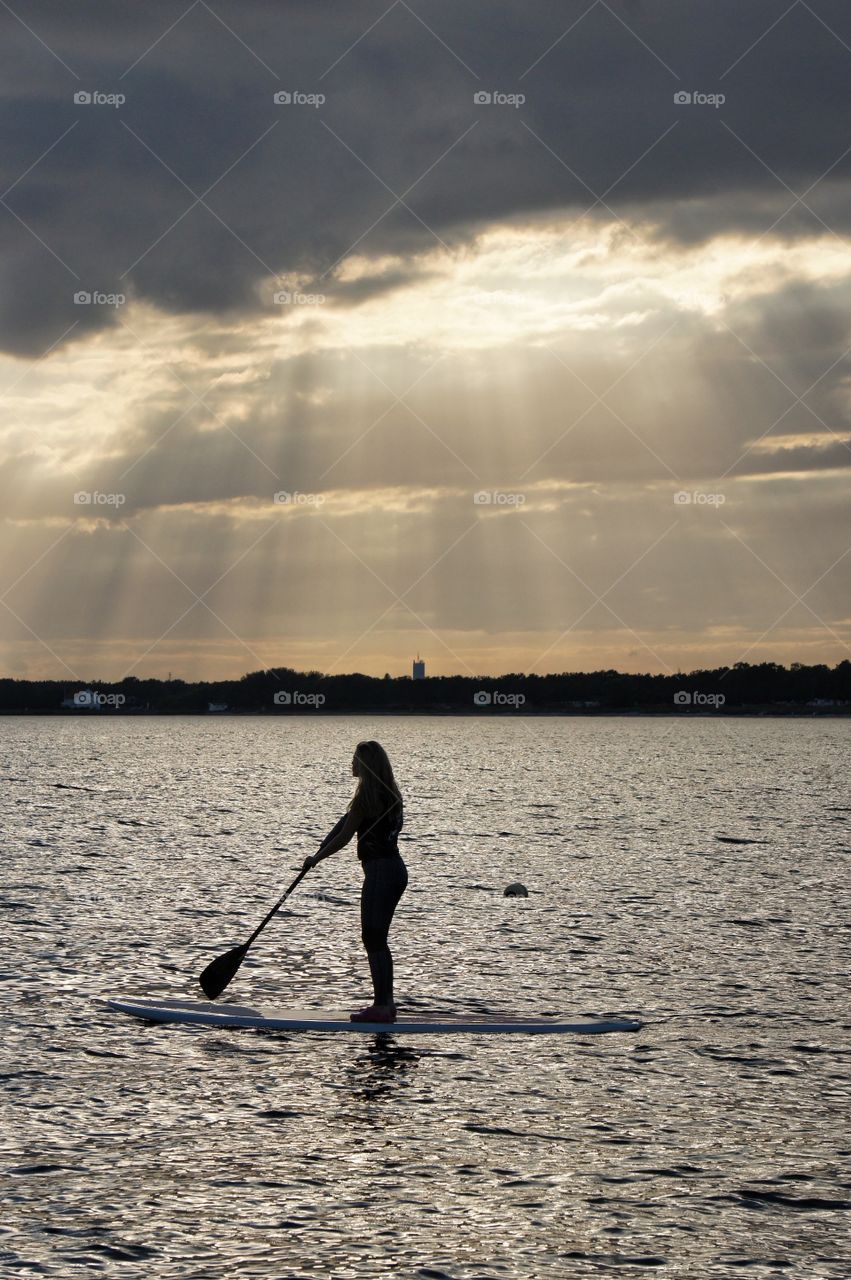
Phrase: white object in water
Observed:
(209, 1014)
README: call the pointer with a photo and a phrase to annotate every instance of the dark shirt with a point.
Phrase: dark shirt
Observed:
(378, 834)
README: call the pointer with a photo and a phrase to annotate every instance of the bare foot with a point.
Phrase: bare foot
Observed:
(375, 1013)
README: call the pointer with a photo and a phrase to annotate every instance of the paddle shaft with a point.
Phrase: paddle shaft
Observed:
(220, 972)
(262, 925)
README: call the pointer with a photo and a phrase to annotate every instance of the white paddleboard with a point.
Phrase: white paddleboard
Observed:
(208, 1014)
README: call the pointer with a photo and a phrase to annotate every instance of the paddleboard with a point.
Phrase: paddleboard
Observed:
(209, 1014)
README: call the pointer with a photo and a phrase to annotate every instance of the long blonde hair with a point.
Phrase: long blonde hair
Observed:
(377, 792)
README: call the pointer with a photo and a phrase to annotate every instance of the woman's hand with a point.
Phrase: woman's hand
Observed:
(309, 863)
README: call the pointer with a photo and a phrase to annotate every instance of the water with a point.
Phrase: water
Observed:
(713, 1143)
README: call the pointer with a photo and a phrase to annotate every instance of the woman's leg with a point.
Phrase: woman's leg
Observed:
(385, 881)
(381, 972)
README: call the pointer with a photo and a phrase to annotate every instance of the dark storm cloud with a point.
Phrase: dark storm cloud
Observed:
(112, 205)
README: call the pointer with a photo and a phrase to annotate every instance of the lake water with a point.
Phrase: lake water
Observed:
(713, 1143)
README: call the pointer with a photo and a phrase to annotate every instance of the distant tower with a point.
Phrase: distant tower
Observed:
(419, 668)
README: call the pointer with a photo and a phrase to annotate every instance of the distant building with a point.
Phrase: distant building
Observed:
(419, 668)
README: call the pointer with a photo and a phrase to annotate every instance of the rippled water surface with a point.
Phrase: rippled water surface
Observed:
(713, 1143)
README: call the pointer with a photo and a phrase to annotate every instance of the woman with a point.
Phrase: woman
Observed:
(375, 814)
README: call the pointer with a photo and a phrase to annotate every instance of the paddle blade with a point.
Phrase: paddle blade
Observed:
(220, 972)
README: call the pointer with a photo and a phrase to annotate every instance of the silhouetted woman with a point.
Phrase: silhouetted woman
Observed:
(375, 815)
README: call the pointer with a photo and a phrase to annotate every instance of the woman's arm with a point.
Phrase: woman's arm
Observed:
(337, 838)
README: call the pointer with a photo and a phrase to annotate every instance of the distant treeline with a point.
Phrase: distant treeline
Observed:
(287, 692)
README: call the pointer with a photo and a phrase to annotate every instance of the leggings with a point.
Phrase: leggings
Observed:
(384, 882)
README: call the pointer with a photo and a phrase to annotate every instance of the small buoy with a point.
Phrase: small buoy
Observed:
(516, 890)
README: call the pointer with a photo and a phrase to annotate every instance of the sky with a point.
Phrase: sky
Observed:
(515, 336)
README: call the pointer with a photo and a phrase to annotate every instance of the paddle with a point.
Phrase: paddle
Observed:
(221, 971)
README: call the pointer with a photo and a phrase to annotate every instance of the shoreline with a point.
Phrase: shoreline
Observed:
(753, 712)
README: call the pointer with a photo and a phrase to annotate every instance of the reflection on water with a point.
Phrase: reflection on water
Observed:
(694, 874)
(378, 1072)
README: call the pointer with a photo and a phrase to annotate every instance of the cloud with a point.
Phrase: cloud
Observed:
(363, 288)
(606, 571)
(199, 186)
(586, 367)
